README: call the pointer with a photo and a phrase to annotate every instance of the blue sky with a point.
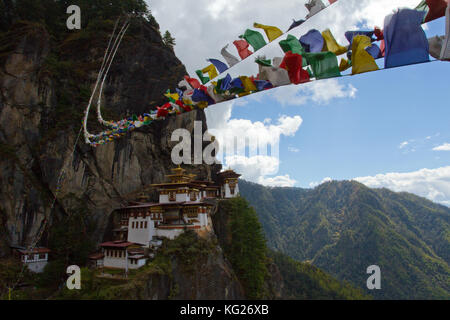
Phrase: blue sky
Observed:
(379, 128)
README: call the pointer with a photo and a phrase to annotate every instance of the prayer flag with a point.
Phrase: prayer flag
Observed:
(254, 38)
(312, 41)
(229, 58)
(324, 64)
(362, 61)
(242, 48)
(272, 33)
(293, 63)
(406, 42)
(220, 66)
(331, 43)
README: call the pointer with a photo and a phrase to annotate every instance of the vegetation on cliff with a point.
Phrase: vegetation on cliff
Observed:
(344, 227)
(241, 235)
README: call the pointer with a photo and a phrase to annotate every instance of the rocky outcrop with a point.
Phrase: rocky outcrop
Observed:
(44, 87)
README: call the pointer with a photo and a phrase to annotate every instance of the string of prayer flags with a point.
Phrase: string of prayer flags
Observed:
(445, 53)
(293, 63)
(220, 66)
(254, 38)
(323, 64)
(272, 33)
(362, 61)
(312, 41)
(242, 48)
(406, 42)
(330, 43)
(229, 58)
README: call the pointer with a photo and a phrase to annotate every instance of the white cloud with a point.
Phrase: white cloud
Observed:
(444, 147)
(293, 149)
(279, 181)
(252, 157)
(258, 169)
(320, 92)
(403, 144)
(433, 184)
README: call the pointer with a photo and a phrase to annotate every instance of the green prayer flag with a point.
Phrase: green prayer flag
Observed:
(254, 38)
(324, 64)
(264, 63)
(291, 44)
(202, 78)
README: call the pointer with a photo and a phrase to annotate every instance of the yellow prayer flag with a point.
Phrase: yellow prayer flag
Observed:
(174, 96)
(362, 61)
(271, 32)
(344, 65)
(211, 70)
(330, 43)
(248, 84)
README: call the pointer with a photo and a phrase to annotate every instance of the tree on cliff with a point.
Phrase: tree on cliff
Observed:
(168, 39)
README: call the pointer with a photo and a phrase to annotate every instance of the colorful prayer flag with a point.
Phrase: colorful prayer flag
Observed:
(291, 44)
(272, 33)
(361, 60)
(254, 38)
(220, 66)
(323, 64)
(406, 42)
(293, 63)
(242, 48)
(229, 58)
(312, 41)
(330, 43)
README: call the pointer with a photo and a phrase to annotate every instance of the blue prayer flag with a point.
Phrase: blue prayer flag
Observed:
(406, 42)
(312, 41)
(220, 66)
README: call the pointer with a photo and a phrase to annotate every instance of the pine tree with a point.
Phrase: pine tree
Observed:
(169, 40)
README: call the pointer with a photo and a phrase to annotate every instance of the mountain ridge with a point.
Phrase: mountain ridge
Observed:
(344, 227)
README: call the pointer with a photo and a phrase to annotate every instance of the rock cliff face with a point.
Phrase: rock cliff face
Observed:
(44, 87)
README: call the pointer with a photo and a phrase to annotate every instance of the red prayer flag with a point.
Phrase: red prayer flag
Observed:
(194, 83)
(293, 63)
(379, 33)
(242, 48)
(437, 9)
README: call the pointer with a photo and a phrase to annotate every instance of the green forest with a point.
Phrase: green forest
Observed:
(344, 227)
